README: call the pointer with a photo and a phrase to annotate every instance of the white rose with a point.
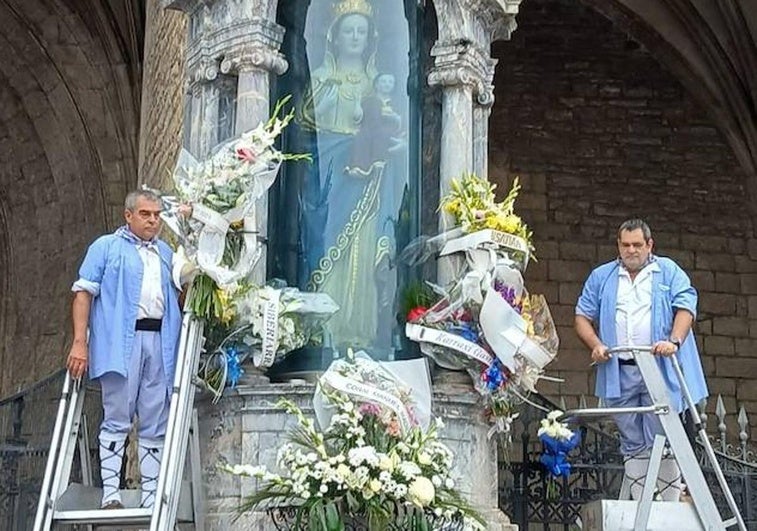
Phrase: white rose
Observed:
(424, 458)
(421, 492)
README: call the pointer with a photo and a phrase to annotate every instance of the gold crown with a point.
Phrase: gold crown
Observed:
(344, 7)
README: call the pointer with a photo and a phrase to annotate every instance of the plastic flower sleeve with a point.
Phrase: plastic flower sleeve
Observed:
(278, 321)
(402, 389)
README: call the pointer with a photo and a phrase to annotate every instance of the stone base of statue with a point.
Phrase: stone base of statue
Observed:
(246, 428)
(253, 376)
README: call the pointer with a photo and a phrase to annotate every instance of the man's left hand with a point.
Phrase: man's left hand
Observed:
(664, 348)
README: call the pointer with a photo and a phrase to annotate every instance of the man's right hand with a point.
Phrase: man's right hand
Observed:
(77, 359)
(599, 354)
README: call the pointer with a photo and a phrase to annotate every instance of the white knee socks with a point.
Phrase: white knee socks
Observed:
(150, 456)
(111, 458)
(669, 479)
(635, 474)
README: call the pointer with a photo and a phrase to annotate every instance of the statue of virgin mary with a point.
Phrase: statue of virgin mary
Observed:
(350, 216)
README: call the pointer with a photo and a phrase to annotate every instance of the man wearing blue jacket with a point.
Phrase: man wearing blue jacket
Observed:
(640, 299)
(127, 297)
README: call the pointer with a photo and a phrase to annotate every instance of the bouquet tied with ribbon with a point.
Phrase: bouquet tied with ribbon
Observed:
(376, 457)
(486, 322)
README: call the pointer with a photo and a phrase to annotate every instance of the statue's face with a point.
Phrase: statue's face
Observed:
(385, 84)
(352, 37)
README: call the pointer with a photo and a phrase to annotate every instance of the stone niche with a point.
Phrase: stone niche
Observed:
(246, 428)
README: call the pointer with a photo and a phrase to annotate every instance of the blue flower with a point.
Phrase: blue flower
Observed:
(494, 376)
(467, 331)
(555, 454)
(233, 366)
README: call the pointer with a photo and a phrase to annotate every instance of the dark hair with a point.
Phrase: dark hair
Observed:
(635, 224)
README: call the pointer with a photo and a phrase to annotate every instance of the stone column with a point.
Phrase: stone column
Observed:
(203, 117)
(236, 38)
(482, 109)
(253, 63)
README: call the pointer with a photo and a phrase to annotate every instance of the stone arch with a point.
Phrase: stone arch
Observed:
(68, 140)
(711, 47)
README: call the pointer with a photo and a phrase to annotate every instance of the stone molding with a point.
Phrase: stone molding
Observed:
(496, 16)
(245, 58)
(461, 63)
(244, 45)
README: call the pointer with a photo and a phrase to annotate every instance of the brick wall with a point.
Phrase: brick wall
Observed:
(598, 132)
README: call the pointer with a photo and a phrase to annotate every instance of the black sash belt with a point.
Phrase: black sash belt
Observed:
(621, 361)
(148, 325)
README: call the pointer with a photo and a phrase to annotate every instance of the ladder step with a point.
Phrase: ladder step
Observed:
(575, 415)
(731, 522)
(80, 504)
(612, 515)
(135, 516)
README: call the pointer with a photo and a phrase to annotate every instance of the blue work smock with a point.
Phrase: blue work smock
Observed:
(671, 291)
(112, 273)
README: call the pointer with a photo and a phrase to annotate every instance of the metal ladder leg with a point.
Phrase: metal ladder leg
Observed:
(45, 503)
(644, 508)
(679, 443)
(64, 454)
(176, 440)
(712, 458)
(182, 436)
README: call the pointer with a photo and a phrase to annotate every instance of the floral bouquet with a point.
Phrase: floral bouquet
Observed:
(266, 323)
(360, 466)
(557, 441)
(221, 238)
(472, 202)
(400, 389)
(487, 323)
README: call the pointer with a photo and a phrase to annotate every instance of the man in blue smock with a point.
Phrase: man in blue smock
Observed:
(640, 299)
(127, 297)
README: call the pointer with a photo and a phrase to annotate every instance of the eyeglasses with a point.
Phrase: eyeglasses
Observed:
(149, 214)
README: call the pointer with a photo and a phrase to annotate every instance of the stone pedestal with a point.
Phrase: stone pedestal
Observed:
(245, 427)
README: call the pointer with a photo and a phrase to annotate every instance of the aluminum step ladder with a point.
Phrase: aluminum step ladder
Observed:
(61, 503)
(647, 514)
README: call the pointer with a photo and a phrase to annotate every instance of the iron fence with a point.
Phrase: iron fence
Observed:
(597, 472)
(26, 424)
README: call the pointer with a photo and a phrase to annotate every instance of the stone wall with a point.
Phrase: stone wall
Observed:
(163, 94)
(68, 153)
(598, 132)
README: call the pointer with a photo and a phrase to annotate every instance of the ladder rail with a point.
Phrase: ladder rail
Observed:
(708, 447)
(180, 441)
(66, 450)
(699, 489)
(166, 495)
(44, 503)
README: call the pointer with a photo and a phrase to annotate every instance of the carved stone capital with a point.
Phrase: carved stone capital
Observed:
(202, 71)
(254, 57)
(497, 17)
(461, 63)
(479, 21)
(225, 36)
